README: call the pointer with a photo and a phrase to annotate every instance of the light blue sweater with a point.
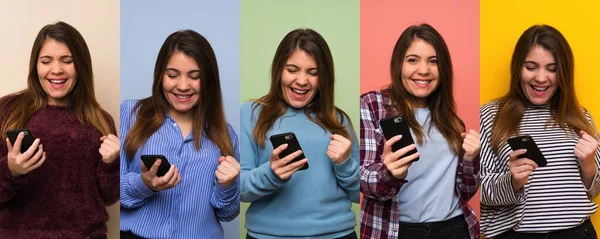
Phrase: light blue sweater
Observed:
(314, 203)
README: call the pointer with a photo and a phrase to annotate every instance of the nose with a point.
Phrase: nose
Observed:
(302, 79)
(423, 68)
(542, 76)
(57, 68)
(183, 84)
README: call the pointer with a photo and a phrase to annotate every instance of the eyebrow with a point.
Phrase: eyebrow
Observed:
(61, 57)
(178, 71)
(535, 63)
(415, 55)
(292, 65)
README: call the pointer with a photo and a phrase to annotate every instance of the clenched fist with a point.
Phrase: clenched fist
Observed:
(227, 171)
(109, 149)
(471, 144)
(339, 148)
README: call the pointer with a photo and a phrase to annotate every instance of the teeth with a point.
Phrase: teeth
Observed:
(540, 88)
(422, 82)
(58, 81)
(302, 92)
(183, 96)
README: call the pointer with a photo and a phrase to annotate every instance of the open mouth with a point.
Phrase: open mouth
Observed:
(422, 83)
(183, 97)
(298, 91)
(57, 83)
(539, 88)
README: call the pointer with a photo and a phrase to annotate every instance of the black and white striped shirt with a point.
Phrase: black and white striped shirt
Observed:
(554, 198)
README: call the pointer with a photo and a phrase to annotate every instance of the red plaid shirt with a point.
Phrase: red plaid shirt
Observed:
(379, 209)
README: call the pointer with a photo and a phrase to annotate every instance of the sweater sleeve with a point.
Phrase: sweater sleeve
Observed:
(258, 180)
(376, 182)
(133, 192)
(496, 180)
(347, 173)
(108, 180)
(226, 200)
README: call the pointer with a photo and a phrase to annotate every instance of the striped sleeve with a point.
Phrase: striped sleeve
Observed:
(594, 189)
(133, 192)
(226, 200)
(496, 180)
(376, 181)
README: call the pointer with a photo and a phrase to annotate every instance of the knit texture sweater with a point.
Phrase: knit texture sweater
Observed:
(66, 196)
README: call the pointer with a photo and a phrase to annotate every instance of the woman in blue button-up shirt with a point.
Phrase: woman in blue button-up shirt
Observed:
(184, 121)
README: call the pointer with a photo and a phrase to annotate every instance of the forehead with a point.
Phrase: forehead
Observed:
(419, 46)
(181, 61)
(301, 58)
(539, 54)
(52, 47)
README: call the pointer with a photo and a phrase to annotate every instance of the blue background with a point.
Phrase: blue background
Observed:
(145, 25)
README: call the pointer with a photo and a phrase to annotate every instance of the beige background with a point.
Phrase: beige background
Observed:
(97, 21)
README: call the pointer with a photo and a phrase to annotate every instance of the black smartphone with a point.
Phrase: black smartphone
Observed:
(533, 152)
(164, 166)
(25, 143)
(293, 146)
(396, 125)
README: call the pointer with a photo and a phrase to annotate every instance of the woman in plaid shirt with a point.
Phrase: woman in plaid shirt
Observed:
(428, 198)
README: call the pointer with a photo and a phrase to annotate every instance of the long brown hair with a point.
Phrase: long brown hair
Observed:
(441, 101)
(322, 105)
(81, 99)
(565, 109)
(208, 114)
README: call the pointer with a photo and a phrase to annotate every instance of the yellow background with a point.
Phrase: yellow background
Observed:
(502, 22)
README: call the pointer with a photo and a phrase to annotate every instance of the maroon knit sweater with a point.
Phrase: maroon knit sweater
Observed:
(67, 195)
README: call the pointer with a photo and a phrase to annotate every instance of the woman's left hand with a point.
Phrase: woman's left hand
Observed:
(471, 144)
(339, 148)
(109, 149)
(586, 149)
(227, 171)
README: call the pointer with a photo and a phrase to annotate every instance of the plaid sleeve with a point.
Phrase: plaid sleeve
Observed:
(376, 181)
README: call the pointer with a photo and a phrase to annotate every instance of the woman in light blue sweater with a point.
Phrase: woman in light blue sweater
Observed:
(287, 200)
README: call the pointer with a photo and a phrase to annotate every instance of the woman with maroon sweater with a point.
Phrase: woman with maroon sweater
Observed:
(60, 186)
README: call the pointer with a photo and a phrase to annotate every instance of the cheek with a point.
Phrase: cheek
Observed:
(314, 82)
(41, 71)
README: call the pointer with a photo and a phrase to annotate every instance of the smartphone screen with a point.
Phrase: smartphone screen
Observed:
(533, 151)
(25, 143)
(396, 125)
(149, 160)
(293, 146)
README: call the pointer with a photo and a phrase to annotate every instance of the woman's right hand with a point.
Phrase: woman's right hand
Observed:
(520, 168)
(23, 163)
(280, 167)
(395, 162)
(169, 180)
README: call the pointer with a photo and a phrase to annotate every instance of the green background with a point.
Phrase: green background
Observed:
(264, 23)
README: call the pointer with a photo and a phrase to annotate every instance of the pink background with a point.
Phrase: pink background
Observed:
(382, 22)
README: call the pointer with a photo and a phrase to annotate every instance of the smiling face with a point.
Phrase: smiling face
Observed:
(299, 79)
(56, 71)
(538, 76)
(420, 71)
(181, 83)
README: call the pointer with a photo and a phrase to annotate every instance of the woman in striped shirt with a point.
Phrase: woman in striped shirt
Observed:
(428, 198)
(184, 121)
(518, 198)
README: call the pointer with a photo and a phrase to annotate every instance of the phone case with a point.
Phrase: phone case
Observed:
(533, 152)
(25, 143)
(164, 166)
(393, 126)
(293, 146)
